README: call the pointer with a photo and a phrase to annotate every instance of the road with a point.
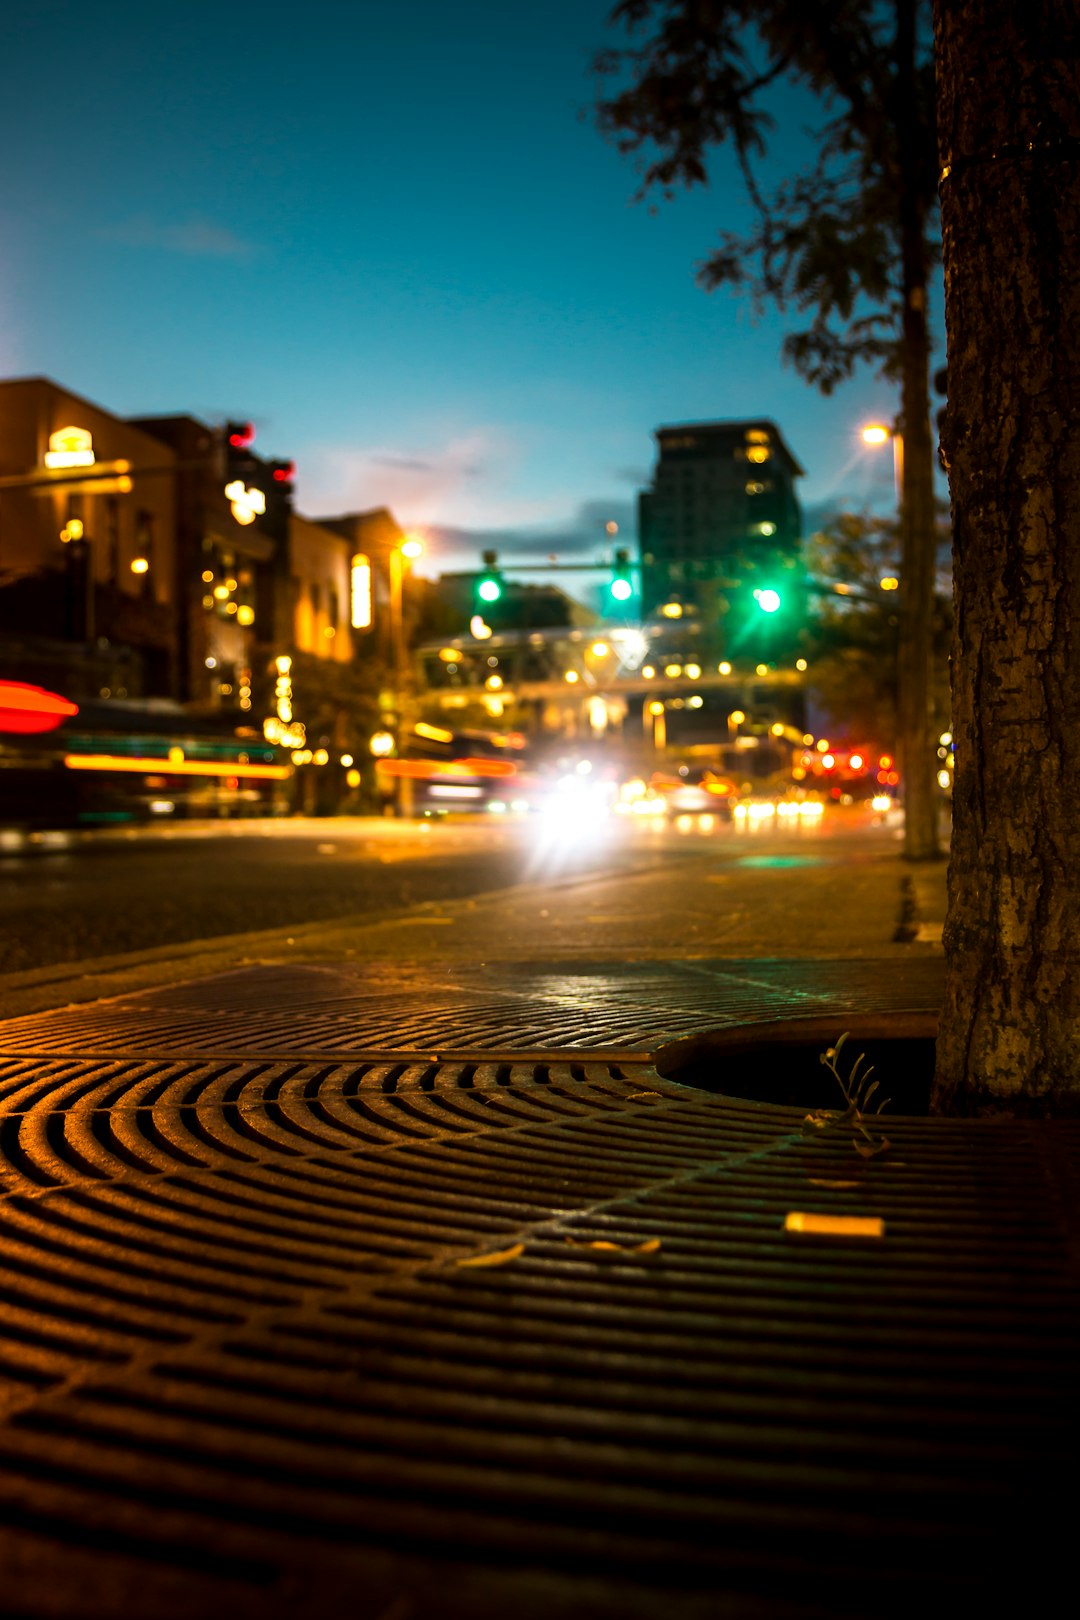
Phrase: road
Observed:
(71, 898)
(75, 899)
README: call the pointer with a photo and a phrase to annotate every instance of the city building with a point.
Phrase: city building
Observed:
(720, 522)
(155, 570)
(88, 548)
(230, 557)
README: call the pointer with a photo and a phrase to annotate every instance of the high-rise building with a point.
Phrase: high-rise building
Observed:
(721, 518)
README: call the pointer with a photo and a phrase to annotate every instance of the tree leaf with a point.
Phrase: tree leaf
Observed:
(871, 1149)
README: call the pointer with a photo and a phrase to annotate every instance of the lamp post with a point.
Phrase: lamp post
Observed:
(875, 434)
(400, 558)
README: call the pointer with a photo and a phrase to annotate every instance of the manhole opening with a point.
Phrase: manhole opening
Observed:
(781, 1062)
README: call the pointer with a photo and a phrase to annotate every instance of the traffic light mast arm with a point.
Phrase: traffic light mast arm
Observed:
(562, 568)
(848, 593)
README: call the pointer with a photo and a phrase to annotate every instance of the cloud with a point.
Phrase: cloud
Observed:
(465, 497)
(467, 480)
(196, 238)
(409, 463)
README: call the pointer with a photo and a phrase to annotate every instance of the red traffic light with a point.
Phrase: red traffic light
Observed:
(241, 434)
(284, 472)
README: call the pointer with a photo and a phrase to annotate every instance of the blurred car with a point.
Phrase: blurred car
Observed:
(694, 790)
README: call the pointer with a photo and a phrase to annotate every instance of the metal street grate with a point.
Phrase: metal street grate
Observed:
(484, 1009)
(244, 1368)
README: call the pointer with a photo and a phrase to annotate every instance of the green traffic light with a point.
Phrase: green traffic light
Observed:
(620, 585)
(489, 586)
(768, 601)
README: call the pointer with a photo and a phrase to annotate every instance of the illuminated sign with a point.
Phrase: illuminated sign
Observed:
(245, 504)
(29, 709)
(360, 576)
(70, 447)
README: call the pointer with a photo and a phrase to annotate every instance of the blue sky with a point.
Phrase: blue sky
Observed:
(394, 239)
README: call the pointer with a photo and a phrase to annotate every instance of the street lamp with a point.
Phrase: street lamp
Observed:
(876, 434)
(400, 558)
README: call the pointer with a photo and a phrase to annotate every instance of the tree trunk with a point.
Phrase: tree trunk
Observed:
(918, 538)
(1009, 118)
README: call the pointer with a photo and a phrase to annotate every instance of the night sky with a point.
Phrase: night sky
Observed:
(392, 237)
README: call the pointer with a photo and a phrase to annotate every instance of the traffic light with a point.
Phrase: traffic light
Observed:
(767, 608)
(768, 599)
(489, 585)
(620, 585)
(240, 435)
(238, 458)
(283, 474)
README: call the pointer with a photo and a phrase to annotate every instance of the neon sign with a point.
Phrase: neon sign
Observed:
(360, 579)
(70, 447)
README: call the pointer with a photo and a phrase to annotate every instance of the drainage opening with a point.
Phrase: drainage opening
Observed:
(781, 1062)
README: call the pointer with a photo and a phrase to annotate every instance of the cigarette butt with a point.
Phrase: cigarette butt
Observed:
(803, 1223)
(501, 1257)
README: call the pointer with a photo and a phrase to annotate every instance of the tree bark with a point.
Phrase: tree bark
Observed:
(1009, 120)
(918, 536)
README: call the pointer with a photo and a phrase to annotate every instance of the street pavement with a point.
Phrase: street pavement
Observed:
(841, 893)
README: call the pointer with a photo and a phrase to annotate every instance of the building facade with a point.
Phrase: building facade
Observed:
(88, 548)
(160, 562)
(720, 519)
